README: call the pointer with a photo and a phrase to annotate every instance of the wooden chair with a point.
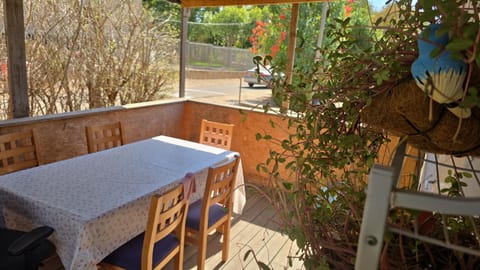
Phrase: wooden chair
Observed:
(162, 240)
(214, 211)
(18, 151)
(216, 134)
(104, 137)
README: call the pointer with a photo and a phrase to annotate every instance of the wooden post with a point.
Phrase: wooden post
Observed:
(291, 50)
(183, 51)
(17, 67)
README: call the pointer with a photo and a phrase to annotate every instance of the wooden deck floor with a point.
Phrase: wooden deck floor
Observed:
(255, 229)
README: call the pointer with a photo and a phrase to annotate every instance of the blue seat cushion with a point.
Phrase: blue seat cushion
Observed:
(129, 256)
(215, 213)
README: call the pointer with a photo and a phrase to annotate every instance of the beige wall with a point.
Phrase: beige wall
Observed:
(252, 151)
(63, 136)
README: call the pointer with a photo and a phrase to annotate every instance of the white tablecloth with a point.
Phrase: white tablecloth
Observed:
(99, 201)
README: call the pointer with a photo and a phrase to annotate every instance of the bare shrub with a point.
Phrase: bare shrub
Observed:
(90, 54)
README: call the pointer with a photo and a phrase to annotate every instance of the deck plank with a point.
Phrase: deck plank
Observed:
(253, 210)
(214, 241)
(252, 237)
(280, 260)
(269, 250)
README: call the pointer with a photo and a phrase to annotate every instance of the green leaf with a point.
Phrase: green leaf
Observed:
(470, 30)
(442, 31)
(287, 185)
(301, 241)
(244, 116)
(459, 45)
(272, 124)
(259, 166)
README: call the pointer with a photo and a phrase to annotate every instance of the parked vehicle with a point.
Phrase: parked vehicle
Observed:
(261, 76)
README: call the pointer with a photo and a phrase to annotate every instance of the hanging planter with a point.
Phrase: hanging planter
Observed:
(429, 106)
(404, 111)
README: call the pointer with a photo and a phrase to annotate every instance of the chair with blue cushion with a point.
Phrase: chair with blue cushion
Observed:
(20, 250)
(162, 240)
(213, 211)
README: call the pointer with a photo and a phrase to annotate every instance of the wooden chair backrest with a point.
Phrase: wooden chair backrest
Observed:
(216, 134)
(167, 214)
(17, 151)
(219, 188)
(104, 137)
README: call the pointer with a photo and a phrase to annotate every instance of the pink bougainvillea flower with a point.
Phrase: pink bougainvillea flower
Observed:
(283, 36)
(282, 16)
(275, 49)
(351, 1)
(348, 10)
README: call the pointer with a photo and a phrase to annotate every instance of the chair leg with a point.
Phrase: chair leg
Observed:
(202, 251)
(226, 240)
(178, 262)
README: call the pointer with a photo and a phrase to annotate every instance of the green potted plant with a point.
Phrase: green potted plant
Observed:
(346, 107)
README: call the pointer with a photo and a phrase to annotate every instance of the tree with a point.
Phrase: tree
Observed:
(228, 26)
(198, 29)
(167, 12)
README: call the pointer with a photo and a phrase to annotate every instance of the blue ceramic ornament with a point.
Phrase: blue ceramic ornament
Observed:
(440, 77)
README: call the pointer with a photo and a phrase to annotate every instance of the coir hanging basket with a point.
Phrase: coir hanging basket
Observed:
(404, 111)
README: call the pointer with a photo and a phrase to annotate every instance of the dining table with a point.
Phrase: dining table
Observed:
(97, 202)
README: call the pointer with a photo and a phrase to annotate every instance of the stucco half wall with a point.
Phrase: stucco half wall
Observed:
(62, 136)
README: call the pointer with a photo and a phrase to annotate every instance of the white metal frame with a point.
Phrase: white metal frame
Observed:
(382, 196)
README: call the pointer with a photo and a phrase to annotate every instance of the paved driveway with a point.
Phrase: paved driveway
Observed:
(229, 91)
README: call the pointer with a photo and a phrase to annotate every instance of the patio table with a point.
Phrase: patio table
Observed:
(99, 201)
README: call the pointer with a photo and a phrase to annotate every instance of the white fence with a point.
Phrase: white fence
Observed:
(207, 55)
